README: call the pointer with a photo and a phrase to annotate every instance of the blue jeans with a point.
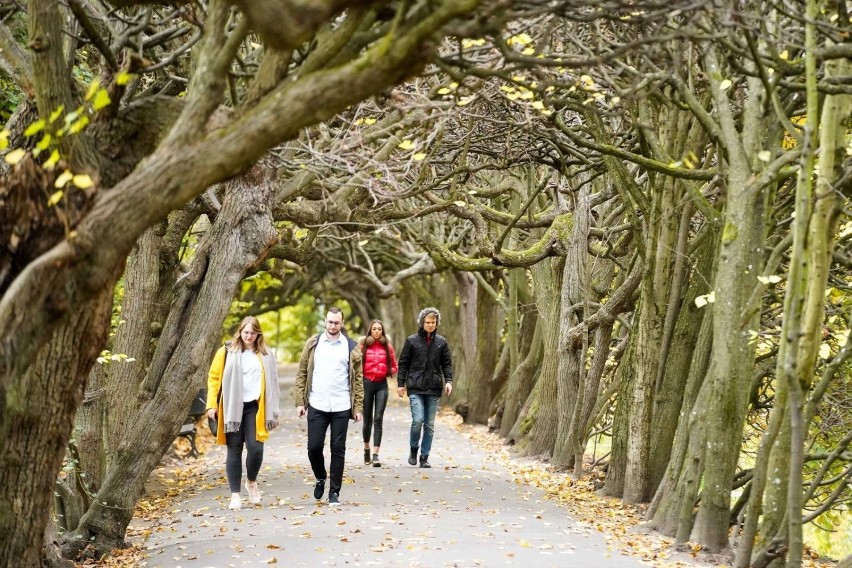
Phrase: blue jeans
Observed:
(423, 409)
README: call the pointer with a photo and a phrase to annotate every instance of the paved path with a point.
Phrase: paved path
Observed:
(465, 511)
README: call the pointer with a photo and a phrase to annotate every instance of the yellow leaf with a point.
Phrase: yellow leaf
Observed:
(54, 199)
(15, 156)
(101, 100)
(35, 127)
(468, 43)
(370, 120)
(724, 85)
(443, 91)
(464, 101)
(528, 51)
(93, 88)
(538, 105)
(52, 160)
(419, 156)
(520, 39)
(57, 113)
(123, 78)
(764, 155)
(63, 179)
(44, 142)
(4, 139)
(785, 55)
(824, 351)
(82, 181)
(79, 125)
(406, 145)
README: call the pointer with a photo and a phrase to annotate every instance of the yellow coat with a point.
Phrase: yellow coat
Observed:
(214, 383)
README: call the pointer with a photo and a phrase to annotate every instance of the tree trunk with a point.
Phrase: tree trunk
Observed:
(539, 427)
(241, 236)
(35, 424)
(669, 398)
(624, 375)
(522, 379)
(663, 512)
(475, 394)
(723, 400)
(573, 329)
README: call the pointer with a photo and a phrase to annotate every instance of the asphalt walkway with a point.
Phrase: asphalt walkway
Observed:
(465, 511)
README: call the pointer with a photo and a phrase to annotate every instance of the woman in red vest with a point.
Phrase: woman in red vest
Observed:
(379, 366)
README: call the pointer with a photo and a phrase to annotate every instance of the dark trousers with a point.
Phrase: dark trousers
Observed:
(375, 402)
(318, 423)
(247, 435)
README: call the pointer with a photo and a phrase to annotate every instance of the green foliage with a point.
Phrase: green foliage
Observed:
(10, 97)
(831, 535)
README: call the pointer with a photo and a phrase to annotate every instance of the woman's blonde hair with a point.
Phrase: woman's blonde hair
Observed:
(259, 343)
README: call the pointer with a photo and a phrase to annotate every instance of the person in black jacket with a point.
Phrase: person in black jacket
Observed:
(425, 370)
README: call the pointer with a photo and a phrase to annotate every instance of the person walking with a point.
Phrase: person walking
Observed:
(379, 365)
(330, 392)
(243, 397)
(425, 371)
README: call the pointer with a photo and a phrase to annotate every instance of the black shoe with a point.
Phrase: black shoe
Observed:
(424, 461)
(333, 499)
(367, 456)
(412, 457)
(376, 461)
(319, 488)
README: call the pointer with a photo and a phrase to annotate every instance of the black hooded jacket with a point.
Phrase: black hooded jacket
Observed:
(425, 367)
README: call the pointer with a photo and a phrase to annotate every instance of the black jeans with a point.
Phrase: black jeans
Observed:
(318, 423)
(254, 456)
(374, 391)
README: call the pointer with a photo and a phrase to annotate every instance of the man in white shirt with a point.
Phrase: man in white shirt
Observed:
(330, 392)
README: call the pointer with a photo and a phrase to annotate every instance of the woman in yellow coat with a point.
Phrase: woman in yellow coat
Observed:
(243, 398)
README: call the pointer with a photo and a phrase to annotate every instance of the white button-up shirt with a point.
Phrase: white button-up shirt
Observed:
(330, 380)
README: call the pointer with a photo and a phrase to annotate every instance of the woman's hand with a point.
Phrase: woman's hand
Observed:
(400, 391)
(212, 412)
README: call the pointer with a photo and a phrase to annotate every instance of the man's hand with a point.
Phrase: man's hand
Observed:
(211, 413)
(400, 391)
(358, 417)
(301, 410)
(448, 389)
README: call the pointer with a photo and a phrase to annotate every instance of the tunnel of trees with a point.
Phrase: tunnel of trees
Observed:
(633, 215)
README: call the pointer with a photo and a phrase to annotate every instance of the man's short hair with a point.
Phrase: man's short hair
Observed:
(336, 310)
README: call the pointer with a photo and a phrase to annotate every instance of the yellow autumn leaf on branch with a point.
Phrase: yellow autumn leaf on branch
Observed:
(15, 156)
(406, 145)
(82, 181)
(101, 100)
(63, 179)
(54, 199)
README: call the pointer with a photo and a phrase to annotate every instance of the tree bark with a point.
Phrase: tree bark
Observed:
(35, 424)
(538, 424)
(240, 238)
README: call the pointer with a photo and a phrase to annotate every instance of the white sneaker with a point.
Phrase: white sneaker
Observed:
(236, 502)
(253, 492)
